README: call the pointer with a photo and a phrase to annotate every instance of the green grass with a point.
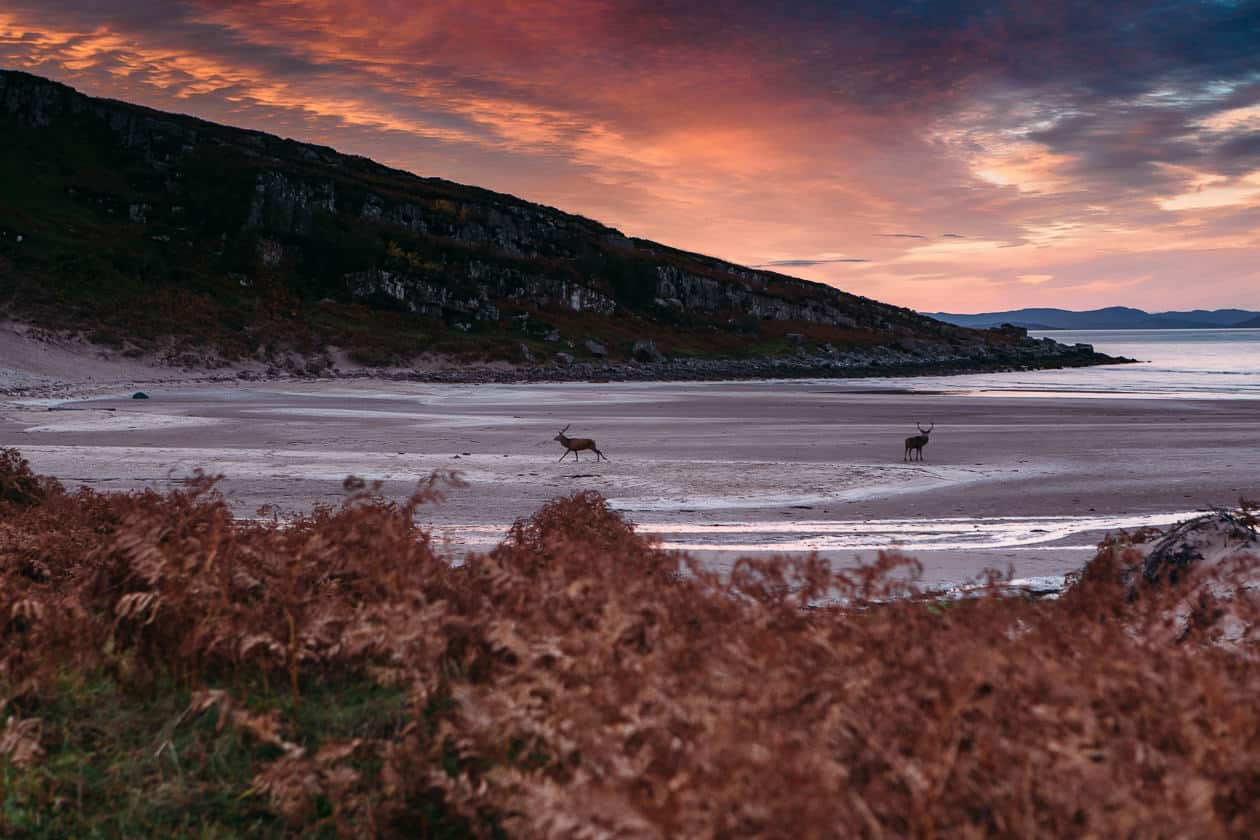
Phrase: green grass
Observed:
(133, 763)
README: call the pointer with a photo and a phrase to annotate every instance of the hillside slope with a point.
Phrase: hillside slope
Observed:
(159, 234)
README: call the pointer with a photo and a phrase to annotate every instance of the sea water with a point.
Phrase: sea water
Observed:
(1172, 364)
(1187, 364)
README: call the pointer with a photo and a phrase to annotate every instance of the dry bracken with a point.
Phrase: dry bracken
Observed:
(579, 681)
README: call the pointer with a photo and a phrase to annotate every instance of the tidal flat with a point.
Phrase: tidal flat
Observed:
(1026, 484)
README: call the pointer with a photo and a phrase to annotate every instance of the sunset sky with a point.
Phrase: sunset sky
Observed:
(944, 156)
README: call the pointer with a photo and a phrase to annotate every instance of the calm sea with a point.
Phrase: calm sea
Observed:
(1202, 364)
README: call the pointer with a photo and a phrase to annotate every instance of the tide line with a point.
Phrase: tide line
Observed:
(909, 535)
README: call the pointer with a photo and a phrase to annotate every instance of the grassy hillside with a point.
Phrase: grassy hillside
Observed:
(159, 233)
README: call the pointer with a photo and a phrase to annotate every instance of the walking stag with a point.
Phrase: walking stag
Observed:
(917, 442)
(576, 445)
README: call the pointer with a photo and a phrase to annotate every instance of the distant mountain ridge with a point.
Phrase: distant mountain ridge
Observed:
(1109, 318)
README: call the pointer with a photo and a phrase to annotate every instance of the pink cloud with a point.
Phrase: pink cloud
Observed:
(726, 129)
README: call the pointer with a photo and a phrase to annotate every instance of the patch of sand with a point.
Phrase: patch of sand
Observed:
(725, 468)
(115, 421)
(36, 363)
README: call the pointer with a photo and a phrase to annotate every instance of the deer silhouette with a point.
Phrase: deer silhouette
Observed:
(917, 442)
(576, 445)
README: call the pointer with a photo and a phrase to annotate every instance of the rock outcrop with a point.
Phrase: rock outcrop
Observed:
(257, 245)
(1201, 575)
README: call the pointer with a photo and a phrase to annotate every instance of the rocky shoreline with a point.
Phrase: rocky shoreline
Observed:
(880, 362)
(875, 363)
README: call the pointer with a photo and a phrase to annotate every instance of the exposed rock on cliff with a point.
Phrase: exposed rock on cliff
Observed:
(146, 230)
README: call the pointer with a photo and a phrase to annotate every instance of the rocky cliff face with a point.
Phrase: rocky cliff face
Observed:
(250, 243)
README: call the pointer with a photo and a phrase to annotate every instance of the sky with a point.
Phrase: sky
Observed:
(945, 156)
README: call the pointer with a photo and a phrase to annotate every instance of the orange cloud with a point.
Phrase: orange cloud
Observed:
(735, 129)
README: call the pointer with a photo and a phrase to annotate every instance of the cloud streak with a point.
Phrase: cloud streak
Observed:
(805, 263)
(1069, 140)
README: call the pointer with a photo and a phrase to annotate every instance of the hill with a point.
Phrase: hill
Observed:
(165, 235)
(1110, 318)
(1216, 318)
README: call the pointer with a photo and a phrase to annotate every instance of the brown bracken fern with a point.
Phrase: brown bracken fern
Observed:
(578, 680)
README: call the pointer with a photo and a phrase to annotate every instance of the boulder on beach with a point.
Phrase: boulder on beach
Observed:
(1204, 574)
(1199, 545)
(139, 395)
(644, 350)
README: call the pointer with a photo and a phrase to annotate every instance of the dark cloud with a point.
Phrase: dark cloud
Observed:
(806, 263)
(1238, 153)
(734, 127)
(925, 57)
(1124, 90)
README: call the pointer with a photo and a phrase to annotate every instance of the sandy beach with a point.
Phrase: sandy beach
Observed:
(1028, 483)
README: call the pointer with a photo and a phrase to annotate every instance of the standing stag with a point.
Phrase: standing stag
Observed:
(576, 445)
(917, 442)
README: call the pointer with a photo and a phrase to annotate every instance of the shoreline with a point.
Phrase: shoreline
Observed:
(742, 370)
(40, 365)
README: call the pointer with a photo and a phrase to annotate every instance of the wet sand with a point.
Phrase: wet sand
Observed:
(721, 469)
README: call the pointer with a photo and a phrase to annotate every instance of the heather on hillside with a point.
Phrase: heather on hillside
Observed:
(165, 668)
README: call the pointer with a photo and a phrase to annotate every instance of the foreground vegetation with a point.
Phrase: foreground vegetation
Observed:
(165, 669)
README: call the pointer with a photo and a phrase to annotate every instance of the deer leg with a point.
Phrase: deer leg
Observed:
(566, 454)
